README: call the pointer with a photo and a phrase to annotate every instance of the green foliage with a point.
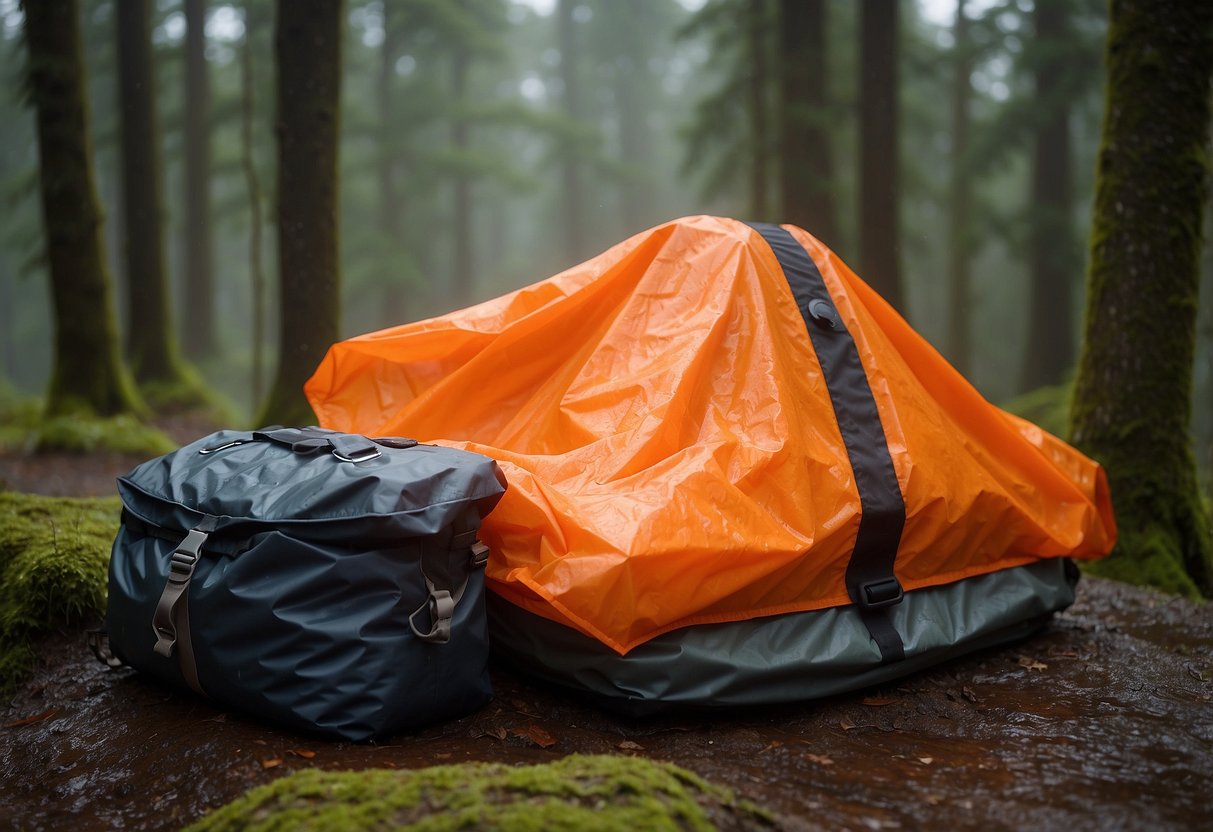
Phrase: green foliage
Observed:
(1048, 407)
(581, 793)
(54, 556)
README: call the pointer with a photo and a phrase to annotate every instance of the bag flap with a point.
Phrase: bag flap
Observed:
(411, 491)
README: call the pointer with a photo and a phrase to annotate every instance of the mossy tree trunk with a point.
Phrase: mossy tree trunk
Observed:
(87, 374)
(198, 320)
(151, 347)
(879, 188)
(1133, 394)
(307, 46)
(248, 162)
(960, 308)
(1053, 260)
(807, 168)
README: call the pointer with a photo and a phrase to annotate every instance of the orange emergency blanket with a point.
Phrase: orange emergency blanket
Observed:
(672, 451)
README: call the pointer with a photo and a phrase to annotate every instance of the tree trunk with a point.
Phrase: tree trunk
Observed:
(806, 168)
(635, 136)
(960, 309)
(307, 46)
(150, 346)
(393, 309)
(87, 374)
(198, 320)
(1133, 395)
(573, 188)
(760, 133)
(879, 149)
(462, 237)
(248, 161)
(1053, 259)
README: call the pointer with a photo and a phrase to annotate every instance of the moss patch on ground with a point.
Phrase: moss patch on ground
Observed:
(576, 793)
(115, 434)
(54, 560)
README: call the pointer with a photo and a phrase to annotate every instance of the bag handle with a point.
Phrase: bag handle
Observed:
(347, 447)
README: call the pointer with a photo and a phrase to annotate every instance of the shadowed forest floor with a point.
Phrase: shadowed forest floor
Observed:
(1102, 721)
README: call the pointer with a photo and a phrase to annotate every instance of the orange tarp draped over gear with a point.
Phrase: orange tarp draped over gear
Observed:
(672, 452)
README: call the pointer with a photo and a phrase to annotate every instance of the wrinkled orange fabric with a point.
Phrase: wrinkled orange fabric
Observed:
(671, 450)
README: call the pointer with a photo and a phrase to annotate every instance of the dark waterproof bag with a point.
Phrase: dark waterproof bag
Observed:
(326, 581)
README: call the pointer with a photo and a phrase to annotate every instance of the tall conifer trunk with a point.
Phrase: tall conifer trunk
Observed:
(1053, 260)
(1133, 395)
(806, 161)
(879, 177)
(198, 320)
(87, 374)
(960, 308)
(151, 346)
(571, 178)
(393, 309)
(307, 46)
(463, 256)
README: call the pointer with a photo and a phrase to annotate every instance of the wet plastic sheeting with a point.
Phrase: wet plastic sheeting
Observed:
(672, 450)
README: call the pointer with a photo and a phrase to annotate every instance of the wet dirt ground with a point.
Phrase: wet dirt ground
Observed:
(1103, 721)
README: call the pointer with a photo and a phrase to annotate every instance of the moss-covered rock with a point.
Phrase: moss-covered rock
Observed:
(54, 556)
(579, 793)
(117, 434)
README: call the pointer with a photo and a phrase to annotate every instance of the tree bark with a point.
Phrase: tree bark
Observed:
(87, 375)
(960, 309)
(198, 320)
(1053, 259)
(806, 165)
(462, 237)
(394, 308)
(879, 187)
(1133, 394)
(248, 161)
(307, 47)
(760, 133)
(150, 345)
(571, 180)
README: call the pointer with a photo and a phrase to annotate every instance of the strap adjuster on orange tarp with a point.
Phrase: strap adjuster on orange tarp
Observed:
(877, 594)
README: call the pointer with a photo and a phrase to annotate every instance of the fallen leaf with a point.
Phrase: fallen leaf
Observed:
(770, 745)
(846, 724)
(1032, 664)
(934, 799)
(30, 720)
(878, 701)
(498, 732)
(967, 693)
(628, 745)
(301, 752)
(272, 762)
(1062, 653)
(820, 759)
(536, 735)
(926, 761)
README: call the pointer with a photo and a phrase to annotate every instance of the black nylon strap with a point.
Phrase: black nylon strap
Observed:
(870, 580)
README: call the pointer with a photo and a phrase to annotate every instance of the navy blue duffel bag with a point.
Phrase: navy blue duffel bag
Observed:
(326, 581)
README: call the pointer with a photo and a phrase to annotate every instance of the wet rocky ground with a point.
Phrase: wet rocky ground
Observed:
(1103, 721)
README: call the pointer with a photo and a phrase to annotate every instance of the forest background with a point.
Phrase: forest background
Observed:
(947, 151)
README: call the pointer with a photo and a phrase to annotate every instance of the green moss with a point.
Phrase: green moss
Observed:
(575, 793)
(19, 420)
(118, 434)
(54, 557)
(1048, 407)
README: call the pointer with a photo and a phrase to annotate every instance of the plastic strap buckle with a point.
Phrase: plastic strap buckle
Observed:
(877, 594)
(441, 606)
(181, 570)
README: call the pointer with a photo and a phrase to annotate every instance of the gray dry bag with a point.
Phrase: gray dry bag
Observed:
(326, 581)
